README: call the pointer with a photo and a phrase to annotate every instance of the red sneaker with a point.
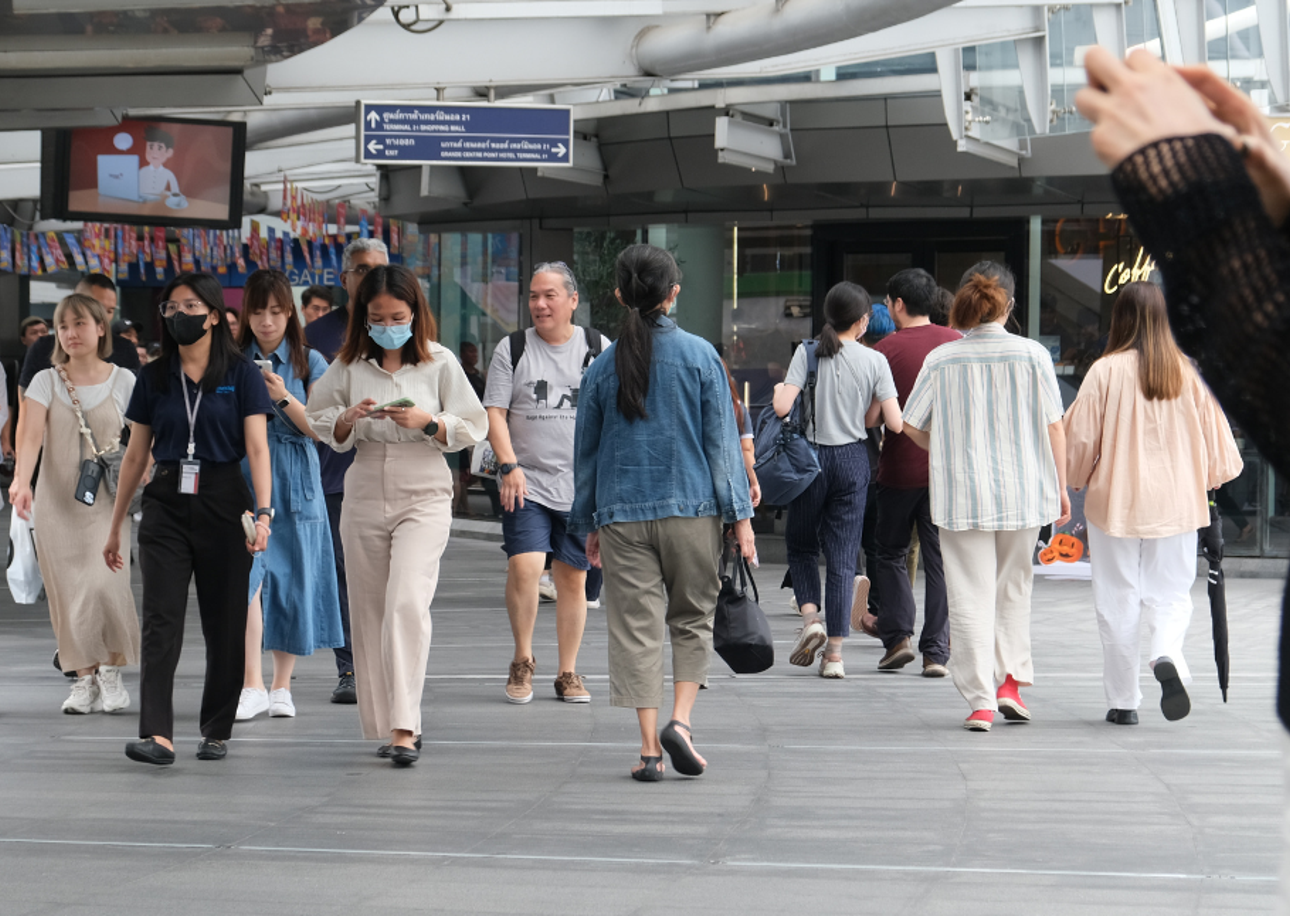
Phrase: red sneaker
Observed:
(979, 721)
(1010, 702)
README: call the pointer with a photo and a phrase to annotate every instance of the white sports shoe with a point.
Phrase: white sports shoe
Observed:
(831, 668)
(546, 587)
(593, 605)
(111, 689)
(251, 703)
(280, 704)
(85, 697)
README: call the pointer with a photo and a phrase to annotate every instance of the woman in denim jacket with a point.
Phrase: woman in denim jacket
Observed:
(658, 470)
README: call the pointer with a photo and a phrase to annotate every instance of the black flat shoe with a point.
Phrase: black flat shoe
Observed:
(385, 749)
(1122, 716)
(147, 750)
(684, 760)
(212, 749)
(1174, 702)
(650, 770)
(402, 756)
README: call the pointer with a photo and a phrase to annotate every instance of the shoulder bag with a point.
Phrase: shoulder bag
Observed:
(103, 463)
(786, 461)
(740, 631)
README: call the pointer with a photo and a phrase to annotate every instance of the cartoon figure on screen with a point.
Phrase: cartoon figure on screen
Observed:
(155, 180)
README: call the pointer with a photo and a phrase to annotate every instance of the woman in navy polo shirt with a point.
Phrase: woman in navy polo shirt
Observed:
(201, 409)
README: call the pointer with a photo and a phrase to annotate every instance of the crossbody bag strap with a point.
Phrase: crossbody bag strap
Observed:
(808, 395)
(80, 416)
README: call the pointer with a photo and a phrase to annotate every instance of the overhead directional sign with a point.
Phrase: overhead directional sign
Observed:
(445, 133)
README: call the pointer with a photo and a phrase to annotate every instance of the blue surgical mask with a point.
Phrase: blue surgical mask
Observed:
(390, 337)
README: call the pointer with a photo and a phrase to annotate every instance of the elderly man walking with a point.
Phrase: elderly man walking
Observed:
(532, 401)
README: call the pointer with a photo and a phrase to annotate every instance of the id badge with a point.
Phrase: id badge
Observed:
(189, 471)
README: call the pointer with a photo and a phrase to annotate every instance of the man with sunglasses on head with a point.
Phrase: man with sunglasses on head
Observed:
(327, 335)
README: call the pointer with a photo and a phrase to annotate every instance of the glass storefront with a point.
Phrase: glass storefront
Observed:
(1083, 265)
(755, 292)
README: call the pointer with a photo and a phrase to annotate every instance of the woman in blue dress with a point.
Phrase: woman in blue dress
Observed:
(294, 605)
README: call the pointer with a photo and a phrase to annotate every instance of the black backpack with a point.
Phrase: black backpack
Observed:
(520, 338)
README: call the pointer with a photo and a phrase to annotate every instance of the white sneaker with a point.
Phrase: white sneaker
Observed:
(280, 705)
(111, 689)
(251, 703)
(810, 640)
(831, 668)
(85, 697)
(546, 587)
(593, 605)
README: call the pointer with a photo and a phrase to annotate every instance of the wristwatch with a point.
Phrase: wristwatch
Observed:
(283, 404)
(430, 429)
(268, 512)
(505, 469)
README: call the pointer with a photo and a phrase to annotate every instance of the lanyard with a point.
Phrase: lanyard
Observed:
(191, 409)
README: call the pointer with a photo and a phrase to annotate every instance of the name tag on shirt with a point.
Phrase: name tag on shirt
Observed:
(189, 471)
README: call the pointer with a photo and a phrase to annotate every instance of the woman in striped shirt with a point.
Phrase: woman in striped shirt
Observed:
(988, 409)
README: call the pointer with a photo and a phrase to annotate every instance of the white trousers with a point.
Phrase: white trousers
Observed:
(1136, 581)
(988, 580)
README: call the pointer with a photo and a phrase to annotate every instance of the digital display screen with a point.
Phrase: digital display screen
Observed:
(154, 172)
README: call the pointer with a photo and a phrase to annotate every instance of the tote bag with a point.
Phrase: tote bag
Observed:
(785, 460)
(741, 633)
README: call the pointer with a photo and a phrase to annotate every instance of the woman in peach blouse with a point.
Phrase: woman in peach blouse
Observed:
(1147, 439)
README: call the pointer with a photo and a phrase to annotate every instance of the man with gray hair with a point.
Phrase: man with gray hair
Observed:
(532, 402)
(327, 335)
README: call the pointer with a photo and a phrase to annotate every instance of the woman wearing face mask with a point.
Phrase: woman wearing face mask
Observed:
(200, 408)
(91, 609)
(294, 608)
(398, 493)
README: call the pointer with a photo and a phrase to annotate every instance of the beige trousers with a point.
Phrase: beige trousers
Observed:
(394, 527)
(659, 573)
(988, 578)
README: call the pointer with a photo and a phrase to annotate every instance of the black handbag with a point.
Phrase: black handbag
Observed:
(741, 633)
(786, 459)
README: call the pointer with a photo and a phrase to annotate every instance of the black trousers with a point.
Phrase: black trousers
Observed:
(181, 537)
(898, 512)
(344, 654)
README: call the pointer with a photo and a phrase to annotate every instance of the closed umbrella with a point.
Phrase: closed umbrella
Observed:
(1211, 545)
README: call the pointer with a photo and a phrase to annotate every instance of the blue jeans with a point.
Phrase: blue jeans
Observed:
(829, 516)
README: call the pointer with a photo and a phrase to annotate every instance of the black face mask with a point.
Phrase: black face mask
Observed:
(186, 329)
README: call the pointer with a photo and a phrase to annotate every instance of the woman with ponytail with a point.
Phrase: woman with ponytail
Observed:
(853, 390)
(657, 468)
(988, 409)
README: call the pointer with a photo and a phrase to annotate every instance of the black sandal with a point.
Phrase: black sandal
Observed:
(650, 771)
(684, 760)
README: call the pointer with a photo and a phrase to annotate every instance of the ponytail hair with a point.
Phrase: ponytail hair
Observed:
(844, 305)
(645, 276)
(981, 300)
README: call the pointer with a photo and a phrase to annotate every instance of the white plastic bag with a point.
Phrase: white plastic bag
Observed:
(24, 572)
(483, 463)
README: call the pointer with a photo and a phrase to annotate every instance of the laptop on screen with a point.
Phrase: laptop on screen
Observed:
(119, 177)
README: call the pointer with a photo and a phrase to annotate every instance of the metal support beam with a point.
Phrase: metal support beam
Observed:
(1274, 33)
(949, 66)
(1182, 30)
(1109, 27)
(768, 30)
(1036, 81)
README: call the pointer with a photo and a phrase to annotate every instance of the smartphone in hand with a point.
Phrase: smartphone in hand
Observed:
(401, 402)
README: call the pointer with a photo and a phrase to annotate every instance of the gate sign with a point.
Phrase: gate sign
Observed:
(445, 133)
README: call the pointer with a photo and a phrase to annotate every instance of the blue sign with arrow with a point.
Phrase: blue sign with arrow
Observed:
(445, 133)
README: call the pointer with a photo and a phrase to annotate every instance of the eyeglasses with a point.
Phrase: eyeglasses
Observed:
(359, 270)
(188, 307)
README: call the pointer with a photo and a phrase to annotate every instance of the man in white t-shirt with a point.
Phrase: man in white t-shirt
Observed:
(532, 401)
(155, 178)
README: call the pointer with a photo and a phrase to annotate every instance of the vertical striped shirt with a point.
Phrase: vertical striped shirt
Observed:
(987, 401)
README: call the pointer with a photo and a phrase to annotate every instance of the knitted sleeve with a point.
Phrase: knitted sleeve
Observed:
(1227, 276)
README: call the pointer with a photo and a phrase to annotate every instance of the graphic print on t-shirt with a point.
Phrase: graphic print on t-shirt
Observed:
(540, 396)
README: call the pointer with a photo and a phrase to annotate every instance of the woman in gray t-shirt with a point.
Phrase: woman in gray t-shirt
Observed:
(853, 389)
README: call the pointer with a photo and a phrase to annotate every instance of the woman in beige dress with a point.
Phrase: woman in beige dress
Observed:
(398, 493)
(92, 610)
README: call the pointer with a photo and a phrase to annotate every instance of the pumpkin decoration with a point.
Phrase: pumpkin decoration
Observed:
(1063, 548)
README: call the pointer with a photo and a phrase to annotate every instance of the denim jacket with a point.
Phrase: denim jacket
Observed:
(683, 459)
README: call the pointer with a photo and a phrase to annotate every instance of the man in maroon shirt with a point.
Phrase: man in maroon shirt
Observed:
(903, 499)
